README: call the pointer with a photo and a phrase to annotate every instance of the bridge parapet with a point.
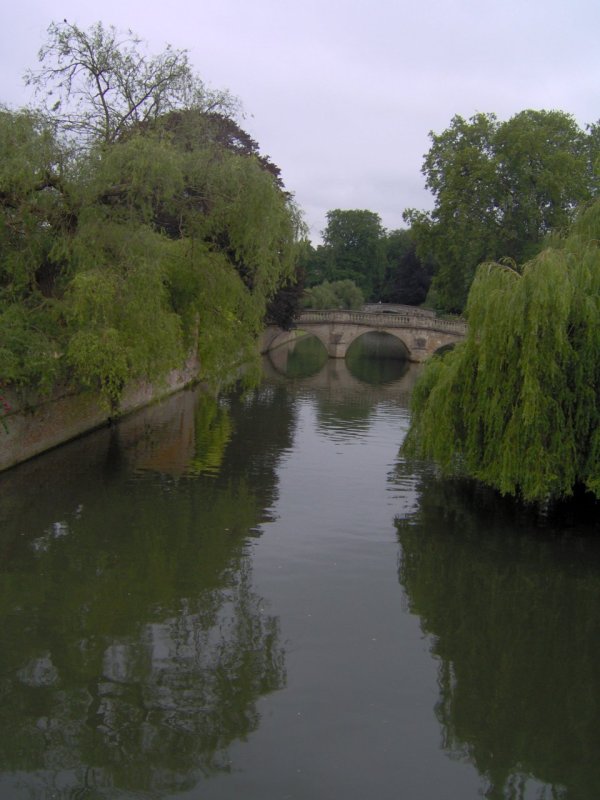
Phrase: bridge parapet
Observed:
(384, 320)
(397, 308)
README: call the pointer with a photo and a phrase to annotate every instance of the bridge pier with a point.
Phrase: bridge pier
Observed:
(335, 346)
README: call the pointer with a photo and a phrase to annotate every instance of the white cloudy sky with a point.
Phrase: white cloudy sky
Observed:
(342, 94)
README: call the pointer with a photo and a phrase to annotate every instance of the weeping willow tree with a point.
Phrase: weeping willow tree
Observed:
(517, 404)
(124, 248)
(175, 247)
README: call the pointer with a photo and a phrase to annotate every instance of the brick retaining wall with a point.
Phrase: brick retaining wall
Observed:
(38, 424)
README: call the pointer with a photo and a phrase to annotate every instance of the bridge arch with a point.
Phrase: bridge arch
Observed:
(444, 349)
(392, 342)
(274, 338)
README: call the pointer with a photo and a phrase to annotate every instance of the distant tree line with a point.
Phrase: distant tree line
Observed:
(382, 265)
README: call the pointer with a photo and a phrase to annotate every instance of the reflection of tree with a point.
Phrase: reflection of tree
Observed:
(305, 357)
(356, 385)
(514, 616)
(386, 363)
(212, 426)
(133, 649)
(343, 417)
(377, 371)
(264, 422)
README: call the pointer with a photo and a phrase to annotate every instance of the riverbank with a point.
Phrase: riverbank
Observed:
(36, 424)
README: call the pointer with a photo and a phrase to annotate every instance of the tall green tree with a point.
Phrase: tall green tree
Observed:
(543, 167)
(313, 263)
(499, 187)
(354, 249)
(407, 277)
(517, 405)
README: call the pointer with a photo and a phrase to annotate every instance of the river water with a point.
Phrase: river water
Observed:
(257, 596)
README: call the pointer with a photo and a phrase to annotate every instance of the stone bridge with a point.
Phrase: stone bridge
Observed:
(420, 332)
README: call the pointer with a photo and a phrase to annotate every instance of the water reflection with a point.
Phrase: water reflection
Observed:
(377, 359)
(139, 639)
(346, 391)
(512, 609)
(300, 359)
(133, 648)
(204, 430)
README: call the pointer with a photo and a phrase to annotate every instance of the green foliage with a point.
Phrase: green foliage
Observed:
(122, 324)
(160, 232)
(354, 249)
(284, 306)
(338, 294)
(4, 410)
(98, 83)
(32, 216)
(212, 431)
(252, 219)
(517, 404)
(499, 188)
(321, 296)
(384, 265)
(407, 277)
(312, 261)
(30, 346)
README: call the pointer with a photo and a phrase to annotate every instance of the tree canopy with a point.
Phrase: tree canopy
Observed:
(337, 294)
(357, 248)
(353, 249)
(100, 82)
(499, 188)
(132, 229)
(407, 277)
(517, 405)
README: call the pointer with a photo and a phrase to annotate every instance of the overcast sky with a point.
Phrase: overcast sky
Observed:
(342, 94)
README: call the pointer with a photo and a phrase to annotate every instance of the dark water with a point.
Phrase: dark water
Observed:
(257, 597)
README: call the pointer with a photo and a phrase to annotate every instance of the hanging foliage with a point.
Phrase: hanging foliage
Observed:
(517, 405)
(135, 223)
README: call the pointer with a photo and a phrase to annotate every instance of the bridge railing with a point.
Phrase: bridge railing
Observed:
(396, 308)
(382, 320)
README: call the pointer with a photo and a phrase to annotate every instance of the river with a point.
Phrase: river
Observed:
(256, 596)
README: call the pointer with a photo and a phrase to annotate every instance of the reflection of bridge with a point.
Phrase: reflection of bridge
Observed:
(337, 383)
(420, 333)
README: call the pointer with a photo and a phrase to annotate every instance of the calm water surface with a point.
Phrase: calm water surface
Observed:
(257, 597)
